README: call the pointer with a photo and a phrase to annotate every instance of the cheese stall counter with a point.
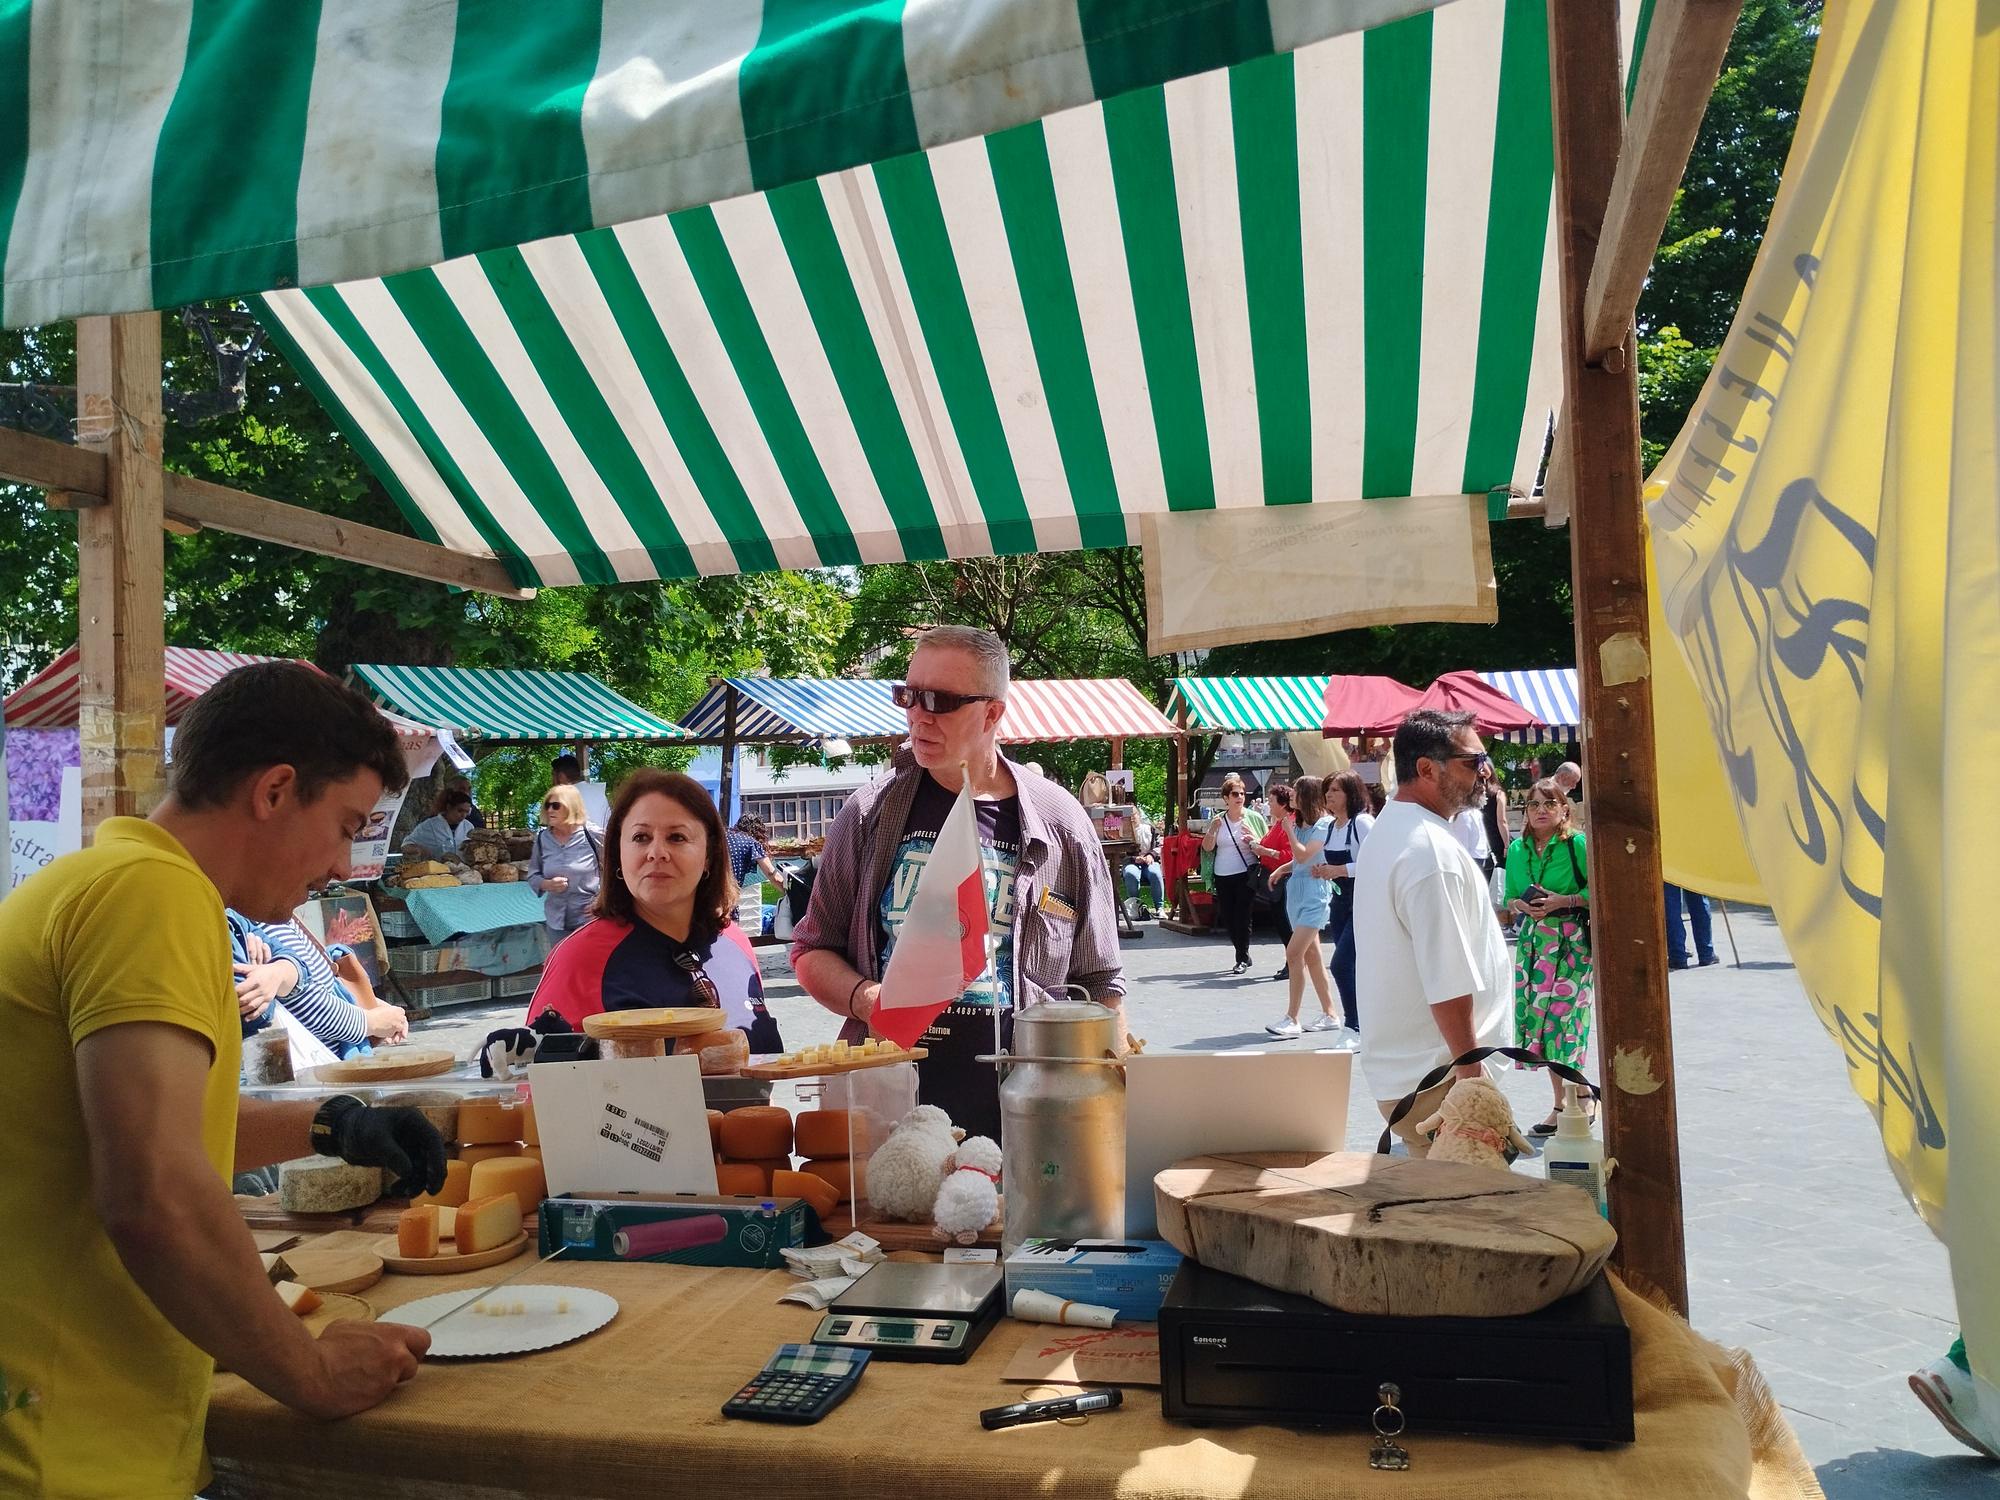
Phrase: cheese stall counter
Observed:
(636, 1407)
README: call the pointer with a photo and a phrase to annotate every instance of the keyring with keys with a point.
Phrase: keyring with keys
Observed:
(1387, 1453)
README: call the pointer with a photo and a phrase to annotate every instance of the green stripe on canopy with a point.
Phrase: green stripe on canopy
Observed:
(1320, 275)
(1250, 705)
(503, 704)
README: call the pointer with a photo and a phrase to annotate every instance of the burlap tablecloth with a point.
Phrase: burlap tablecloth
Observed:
(635, 1409)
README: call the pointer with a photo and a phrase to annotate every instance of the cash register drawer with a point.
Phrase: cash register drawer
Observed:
(1271, 1357)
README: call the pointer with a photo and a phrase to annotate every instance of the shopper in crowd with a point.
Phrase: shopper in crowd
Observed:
(566, 861)
(1307, 898)
(1548, 888)
(747, 852)
(1430, 965)
(1696, 906)
(1346, 805)
(282, 961)
(663, 934)
(1274, 852)
(1568, 778)
(1229, 853)
(442, 834)
(1052, 905)
(1143, 868)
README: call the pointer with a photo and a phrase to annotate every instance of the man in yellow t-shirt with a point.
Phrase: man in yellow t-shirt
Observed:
(125, 1270)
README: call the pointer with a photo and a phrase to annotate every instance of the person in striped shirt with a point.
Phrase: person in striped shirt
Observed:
(280, 961)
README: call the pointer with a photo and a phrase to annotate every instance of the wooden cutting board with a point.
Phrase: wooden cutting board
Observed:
(346, 1261)
(390, 1065)
(770, 1072)
(1386, 1235)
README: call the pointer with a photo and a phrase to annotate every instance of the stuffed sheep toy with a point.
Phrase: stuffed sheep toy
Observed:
(969, 1200)
(1475, 1126)
(905, 1171)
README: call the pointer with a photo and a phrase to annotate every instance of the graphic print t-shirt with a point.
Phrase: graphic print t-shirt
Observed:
(968, 1091)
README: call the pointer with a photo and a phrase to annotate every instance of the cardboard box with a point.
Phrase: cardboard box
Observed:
(674, 1229)
(1129, 1275)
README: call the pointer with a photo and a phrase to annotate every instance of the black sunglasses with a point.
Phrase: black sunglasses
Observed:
(554, 804)
(1481, 760)
(704, 987)
(934, 700)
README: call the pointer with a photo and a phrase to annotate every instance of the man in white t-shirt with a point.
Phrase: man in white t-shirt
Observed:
(1432, 974)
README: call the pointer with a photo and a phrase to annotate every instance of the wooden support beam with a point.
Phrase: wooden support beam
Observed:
(196, 502)
(79, 475)
(1613, 657)
(121, 624)
(1685, 45)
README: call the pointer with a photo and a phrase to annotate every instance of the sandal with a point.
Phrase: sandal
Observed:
(1548, 1126)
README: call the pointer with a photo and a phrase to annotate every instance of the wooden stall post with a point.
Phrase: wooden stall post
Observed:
(729, 697)
(121, 567)
(1608, 567)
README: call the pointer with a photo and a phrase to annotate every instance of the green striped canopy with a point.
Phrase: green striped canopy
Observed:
(1319, 275)
(154, 152)
(496, 704)
(1250, 705)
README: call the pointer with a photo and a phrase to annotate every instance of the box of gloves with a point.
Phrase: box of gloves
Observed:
(1131, 1276)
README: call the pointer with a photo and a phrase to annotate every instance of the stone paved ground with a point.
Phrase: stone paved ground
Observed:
(1800, 1246)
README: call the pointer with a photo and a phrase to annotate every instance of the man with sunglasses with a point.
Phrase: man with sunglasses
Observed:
(1048, 885)
(1433, 978)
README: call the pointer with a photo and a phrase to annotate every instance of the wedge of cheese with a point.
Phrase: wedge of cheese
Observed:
(486, 1223)
(519, 1175)
(817, 1191)
(417, 1232)
(300, 1299)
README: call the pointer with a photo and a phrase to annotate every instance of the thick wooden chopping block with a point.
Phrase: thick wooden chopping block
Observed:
(1382, 1234)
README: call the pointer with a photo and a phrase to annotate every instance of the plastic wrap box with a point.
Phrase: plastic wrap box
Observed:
(1129, 1275)
(681, 1230)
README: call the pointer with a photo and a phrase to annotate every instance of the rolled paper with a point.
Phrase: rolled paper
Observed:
(1036, 1306)
(664, 1236)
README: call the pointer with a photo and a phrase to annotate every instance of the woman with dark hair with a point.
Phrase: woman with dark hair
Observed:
(663, 934)
(1347, 806)
(1548, 887)
(440, 835)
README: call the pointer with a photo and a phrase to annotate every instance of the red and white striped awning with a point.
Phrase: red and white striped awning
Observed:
(1080, 709)
(52, 697)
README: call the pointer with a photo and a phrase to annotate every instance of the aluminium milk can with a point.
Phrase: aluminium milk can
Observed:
(1062, 1125)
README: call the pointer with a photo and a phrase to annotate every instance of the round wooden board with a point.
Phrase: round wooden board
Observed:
(448, 1265)
(654, 1025)
(1385, 1234)
(391, 1065)
(335, 1265)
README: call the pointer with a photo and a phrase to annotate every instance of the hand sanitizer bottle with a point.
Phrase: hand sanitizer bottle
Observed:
(1574, 1155)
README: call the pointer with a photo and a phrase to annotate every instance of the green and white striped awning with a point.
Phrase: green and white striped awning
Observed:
(500, 705)
(1322, 275)
(1250, 705)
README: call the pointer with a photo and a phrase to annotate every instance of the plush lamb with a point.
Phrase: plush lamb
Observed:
(905, 1171)
(1475, 1126)
(970, 1197)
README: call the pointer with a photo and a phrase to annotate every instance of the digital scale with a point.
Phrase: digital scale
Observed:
(899, 1310)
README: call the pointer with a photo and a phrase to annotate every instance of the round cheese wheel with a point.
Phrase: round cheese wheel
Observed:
(519, 1175)
(815, 1190)
(719, 1052)
(490, 1121)
(473, 1155)
(757, 1132)
(715, 1129)
(841, 1174)
(742, 1179)
(822, 1133)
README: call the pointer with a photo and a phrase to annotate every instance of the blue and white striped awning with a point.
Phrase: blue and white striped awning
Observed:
(1549, 693)
(798, 711)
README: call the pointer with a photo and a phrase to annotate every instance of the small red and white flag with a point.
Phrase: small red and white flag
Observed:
(941, 946)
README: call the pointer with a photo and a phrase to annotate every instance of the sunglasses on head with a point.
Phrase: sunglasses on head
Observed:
(704, 987)
(934, 700)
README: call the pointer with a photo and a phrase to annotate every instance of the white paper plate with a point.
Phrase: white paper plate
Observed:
(468, 1334)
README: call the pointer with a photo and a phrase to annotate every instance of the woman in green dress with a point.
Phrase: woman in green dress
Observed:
(1548, 886)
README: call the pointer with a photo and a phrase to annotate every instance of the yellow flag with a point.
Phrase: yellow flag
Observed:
(1827, 535)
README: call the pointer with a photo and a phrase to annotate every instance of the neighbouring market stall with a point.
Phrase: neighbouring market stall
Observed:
(1550, 694)
(483, 404)
(471, 943)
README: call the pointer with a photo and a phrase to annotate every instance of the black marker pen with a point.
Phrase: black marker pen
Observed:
(1048, 1411)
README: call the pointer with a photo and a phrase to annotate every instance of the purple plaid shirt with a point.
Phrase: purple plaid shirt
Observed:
(1065, 924)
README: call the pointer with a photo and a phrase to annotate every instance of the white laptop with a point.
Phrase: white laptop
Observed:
(1182, 1104)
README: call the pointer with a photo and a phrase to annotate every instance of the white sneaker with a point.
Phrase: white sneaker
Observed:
(1287, 1027)
(1953, 1399)
(1323, 1023)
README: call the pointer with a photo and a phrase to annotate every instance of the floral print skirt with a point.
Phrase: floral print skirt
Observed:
(1552, 990)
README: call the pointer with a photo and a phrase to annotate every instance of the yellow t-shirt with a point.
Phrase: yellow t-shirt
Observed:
(127, 930)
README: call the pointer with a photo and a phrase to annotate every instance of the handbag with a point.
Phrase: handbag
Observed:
(1443, 1071)
(1583, 889)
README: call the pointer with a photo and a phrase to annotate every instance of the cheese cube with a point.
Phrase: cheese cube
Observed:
(519, 1175)
(417, 1232)
(486, 1223)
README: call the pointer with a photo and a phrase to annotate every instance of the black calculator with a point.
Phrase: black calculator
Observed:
(800, 1383)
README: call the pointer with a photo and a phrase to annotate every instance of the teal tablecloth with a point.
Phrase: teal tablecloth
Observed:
(449, 910)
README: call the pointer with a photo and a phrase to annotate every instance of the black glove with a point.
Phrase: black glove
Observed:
(400, 1141)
